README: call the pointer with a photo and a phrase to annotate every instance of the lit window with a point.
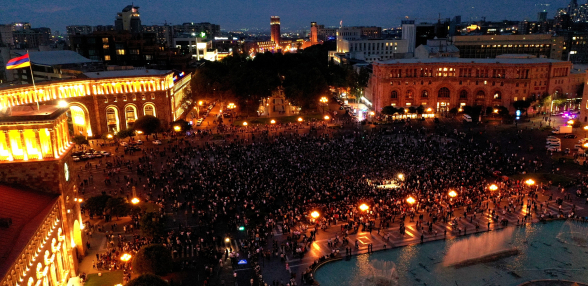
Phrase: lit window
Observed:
(107, 57)
(120, 52)
(106, 47)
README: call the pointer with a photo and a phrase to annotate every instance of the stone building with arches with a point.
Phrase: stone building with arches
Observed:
(40, 219)
(107, 101)
(445, 83)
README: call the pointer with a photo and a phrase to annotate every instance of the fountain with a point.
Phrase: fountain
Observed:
(480, 249)
(377, 273)
(574, 233)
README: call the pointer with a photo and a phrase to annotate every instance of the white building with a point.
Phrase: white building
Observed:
(366, 44)
(409, 34)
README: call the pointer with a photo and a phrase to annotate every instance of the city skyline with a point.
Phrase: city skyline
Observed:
(235, 14)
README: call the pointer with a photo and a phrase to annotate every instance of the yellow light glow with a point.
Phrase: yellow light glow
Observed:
(530, 182)
(314, 214)
(139, 132)
(135, 201)
(200, 103)
(273, 122)
(453, 194)
(227, 240)
(244, 123)
(299, 119)
(571, 122)
(495, 110)
(401, 177)
(429, 109)
(109, 136)
(324, 99)
(364, 207)
(372, 113)
(411, 200)
(493, 187)
(327, 117)
(585, 145)
(177, 128)
(62, 103)
(125, 257)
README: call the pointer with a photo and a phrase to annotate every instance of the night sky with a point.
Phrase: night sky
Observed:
(237, 14)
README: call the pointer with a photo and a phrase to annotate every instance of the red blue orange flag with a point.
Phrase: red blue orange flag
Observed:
(20, 62)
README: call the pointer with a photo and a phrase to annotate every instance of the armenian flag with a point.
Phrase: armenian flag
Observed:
(20, 62)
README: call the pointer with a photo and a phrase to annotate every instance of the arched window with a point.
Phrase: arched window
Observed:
(149, 109)
(480, 94)
(497, 95)
(394, 94)
(425, 94)
(112, 119)
(463, 94)
(444, 92)
(409, 94)
(130, 115)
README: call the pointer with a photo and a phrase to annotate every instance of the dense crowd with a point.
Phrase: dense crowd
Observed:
(274, 182)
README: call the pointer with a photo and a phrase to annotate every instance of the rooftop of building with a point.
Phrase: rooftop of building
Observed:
(30, 112)
(470, 61)
(53, 58)
(126, 73)
(443, 49)
(27, 209)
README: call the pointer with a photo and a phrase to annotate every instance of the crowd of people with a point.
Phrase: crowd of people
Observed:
(273, 183)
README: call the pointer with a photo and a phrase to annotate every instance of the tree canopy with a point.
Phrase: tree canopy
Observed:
(152, 225)
(305, 76)
(80, 140)
(118, 207)
(148, 124)
(153, 258)
(147, 280)
(96, 205)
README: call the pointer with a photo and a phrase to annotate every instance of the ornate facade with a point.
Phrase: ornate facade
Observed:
(106, 102)
(444, 83)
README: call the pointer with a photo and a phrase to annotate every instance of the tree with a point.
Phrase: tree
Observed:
(147, 280)
(152, 225)
(388, 110)
(125, 133)
(118, 207)
(148, 124)
(80, 140)
(153, 258)
(96, 205)
(420, 109)
(412, 109)
(453, 111)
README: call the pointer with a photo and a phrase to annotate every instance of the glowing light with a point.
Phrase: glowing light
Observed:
(327, 117)
(135, 201)
(314, 214)
(200, 103)
(299, 119)
(244, 123)
(429, 109)
(495, 110)
(177, 128)
(571, 122)
(139, 132)
(324, 99)
(125, 257)
(227, 240)
(364, 207)
(273, 122)
(493, 187)
(372, 113)
(109, 136)
(411, 200)
(401, 177)
(62, 103)
(530, 182)
(453, 194)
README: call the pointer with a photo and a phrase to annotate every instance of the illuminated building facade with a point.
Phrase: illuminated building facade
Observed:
(128, 20)
(109, 101)
(275, 29)
(41, 225)
(490, 46)
(277, 105)
(445, 83)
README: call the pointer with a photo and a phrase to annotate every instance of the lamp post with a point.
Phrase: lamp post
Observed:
(585, 130)
(364, 207)
(324, 101)
(493, 187)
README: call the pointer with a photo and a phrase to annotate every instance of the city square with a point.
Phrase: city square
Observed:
(450, 152)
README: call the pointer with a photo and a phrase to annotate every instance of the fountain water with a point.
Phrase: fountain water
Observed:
(479, 249)
(574, 233)
(377, 273)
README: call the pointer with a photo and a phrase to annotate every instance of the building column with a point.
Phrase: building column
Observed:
(55, 141)
(23, 145)
(8, 145)
(39, 146)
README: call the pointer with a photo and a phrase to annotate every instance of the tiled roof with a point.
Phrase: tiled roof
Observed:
(27, 209)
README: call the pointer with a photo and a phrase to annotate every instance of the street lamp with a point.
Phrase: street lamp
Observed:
(585, 130)
(493, 187)
(570, 122)
(139, 132)
(273, 121)
(227, 240)
(410, 200)
(299, 119)
(324, 101)
(401, 177)
(327, 117)
(135, 201)
(529, 182)
(125, 257)
(177, 128)
(109, 136)
(315, 214)
(364, 207)
(453, 194)
(244, 123)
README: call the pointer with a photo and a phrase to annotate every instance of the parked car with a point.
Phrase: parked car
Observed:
(139, 142)
(89, 155)
(75, 158)
(97, 155)
(570, 136)
(105, 153)
(124, 144)
(199, 122)
(554, 149)
(157, 142)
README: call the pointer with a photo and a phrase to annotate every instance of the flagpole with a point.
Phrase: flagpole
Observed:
(33, 78)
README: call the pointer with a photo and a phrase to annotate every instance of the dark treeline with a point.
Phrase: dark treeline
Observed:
(305, 76)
